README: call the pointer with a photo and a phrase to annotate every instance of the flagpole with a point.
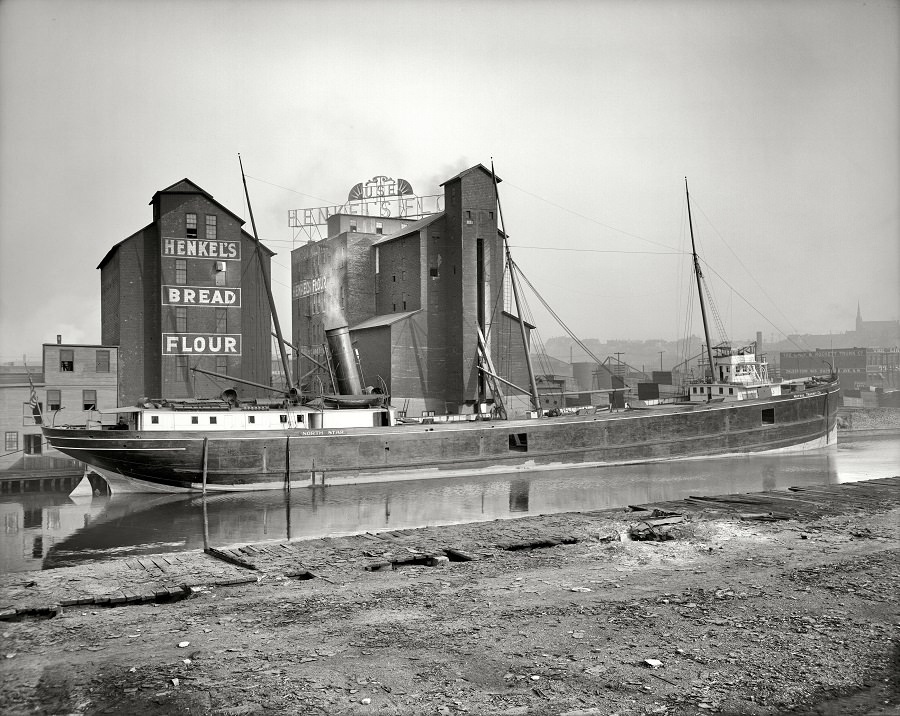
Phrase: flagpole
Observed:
(33, 399)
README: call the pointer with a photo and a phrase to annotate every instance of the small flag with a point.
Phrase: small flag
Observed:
(33, 402)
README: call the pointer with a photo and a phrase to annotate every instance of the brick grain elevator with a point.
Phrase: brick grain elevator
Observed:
(187, 291)
(414, 294)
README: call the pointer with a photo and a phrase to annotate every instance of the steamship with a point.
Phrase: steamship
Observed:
(355, 434)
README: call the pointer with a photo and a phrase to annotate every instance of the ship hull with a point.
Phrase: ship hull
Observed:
(177, 461)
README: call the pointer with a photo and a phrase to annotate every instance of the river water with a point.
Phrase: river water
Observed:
(44, 531)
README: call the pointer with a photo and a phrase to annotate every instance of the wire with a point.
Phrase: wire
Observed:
(587, 218)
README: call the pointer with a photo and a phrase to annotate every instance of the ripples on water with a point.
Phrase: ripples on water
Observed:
(52, 530)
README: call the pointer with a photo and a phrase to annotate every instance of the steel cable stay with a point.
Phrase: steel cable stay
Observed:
(749, 273)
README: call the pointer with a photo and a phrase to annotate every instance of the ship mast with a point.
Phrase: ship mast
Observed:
(535, 398)
(265, 272)
(699, 274)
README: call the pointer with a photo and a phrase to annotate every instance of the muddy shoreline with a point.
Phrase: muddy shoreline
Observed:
(733, 615)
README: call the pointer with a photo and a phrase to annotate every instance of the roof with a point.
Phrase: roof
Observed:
(186, 186)
(21, 379)
(469, 171)
(515, 318)
(412, 228)
(384, 320)
(115, 247)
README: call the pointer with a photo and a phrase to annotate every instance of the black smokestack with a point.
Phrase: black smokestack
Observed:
(343, 361)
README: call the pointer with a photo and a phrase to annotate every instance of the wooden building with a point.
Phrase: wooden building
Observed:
(73, 384)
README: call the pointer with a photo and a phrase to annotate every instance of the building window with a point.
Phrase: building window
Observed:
(66, 361)
(180, 319)
(352, 225)
(434, 272)
(11, 441)
(251, 419)
(221, 320)
(195, 420)
(220, 277)
(181, 368)
(210, 226)
(103, 361)
(33, 444)
(768, 416)
(213, 420)
(89, 399)
(379, 227)
(154, 419)
(222, 365)
(190, 225)
(180, 272)
(54, 400)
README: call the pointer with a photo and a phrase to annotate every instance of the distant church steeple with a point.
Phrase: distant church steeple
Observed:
(859, 320)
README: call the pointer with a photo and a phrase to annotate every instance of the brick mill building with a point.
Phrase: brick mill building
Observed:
(187, 291)
(414, 294)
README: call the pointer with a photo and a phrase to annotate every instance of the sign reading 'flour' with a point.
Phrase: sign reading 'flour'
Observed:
(205, 344)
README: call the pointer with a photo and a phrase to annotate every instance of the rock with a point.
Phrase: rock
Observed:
(653, 663)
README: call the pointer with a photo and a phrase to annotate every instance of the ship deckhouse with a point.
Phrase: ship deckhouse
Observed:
(739, 374)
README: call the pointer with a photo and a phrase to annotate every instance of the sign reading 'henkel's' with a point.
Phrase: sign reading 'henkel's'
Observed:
(202, 249)
(201, 296)
(379, 196)
(204, 344)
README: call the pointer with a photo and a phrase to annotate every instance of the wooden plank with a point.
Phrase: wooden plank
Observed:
(231, 557)
(147, 564)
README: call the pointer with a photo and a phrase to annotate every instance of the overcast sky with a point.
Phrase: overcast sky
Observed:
(783, 116)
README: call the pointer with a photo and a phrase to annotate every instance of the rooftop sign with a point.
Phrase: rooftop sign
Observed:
(379, 196)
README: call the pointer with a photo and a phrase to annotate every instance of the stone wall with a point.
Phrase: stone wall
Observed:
(869, 419)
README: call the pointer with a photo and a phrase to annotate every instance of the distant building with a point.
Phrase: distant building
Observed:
(876, 333)
(848, 363)
(883, 367)
(868, 334)
(186, 291)
(71, 386)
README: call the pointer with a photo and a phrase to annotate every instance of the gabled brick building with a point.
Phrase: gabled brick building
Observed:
(187, 291)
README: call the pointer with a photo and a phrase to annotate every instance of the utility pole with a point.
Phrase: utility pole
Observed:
(660, 359)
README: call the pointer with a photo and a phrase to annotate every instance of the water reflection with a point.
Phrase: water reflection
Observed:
(46, 531)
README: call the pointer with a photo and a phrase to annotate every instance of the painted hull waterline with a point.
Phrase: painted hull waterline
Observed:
(176, 460)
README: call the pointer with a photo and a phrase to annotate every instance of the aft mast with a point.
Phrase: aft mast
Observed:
(699, 275)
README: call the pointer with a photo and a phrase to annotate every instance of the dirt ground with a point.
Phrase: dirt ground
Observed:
(729, 617)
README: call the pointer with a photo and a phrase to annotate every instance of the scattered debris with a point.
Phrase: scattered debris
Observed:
(654, 529)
